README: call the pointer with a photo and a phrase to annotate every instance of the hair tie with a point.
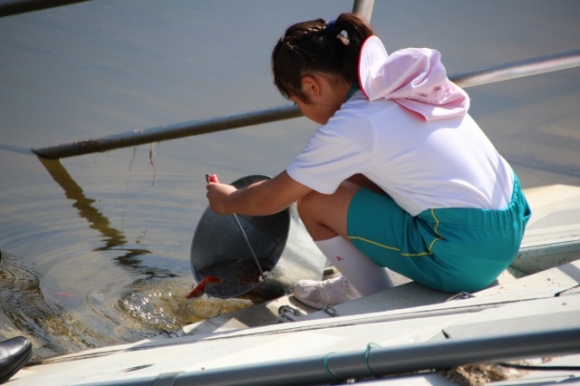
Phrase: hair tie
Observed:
(331, 28)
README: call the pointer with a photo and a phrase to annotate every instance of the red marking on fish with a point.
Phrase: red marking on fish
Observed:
(203, 286)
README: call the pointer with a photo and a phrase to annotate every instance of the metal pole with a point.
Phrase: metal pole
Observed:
(486, 75)
(363, 8)
(519, 69)
(178, 130)
(381, 361)
(14, 7)
(393, 360)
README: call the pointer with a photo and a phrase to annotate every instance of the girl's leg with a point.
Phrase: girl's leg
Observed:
(326, 215)
(325, 218)
(361, 272)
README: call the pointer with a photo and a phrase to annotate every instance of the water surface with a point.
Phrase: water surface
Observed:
(95, 249)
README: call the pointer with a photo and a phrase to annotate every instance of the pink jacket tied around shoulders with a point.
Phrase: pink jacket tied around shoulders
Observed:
(415, 78)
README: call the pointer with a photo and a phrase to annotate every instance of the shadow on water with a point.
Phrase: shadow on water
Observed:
(114, 238)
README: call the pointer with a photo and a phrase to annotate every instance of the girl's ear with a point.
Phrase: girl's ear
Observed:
(311, 87)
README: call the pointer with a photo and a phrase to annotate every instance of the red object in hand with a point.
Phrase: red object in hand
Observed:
(212, 178)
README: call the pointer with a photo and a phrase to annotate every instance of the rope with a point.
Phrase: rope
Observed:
(328, 368)
(367, 355)
(366, 360)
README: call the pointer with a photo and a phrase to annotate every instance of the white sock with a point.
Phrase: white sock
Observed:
(360, 271)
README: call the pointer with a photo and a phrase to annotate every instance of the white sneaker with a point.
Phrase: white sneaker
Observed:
(330, 292)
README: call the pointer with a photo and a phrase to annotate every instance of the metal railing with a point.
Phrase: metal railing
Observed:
(15, 7)
(363, 8)
(486, 75)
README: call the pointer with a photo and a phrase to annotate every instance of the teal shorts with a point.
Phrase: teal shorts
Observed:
(451, 249)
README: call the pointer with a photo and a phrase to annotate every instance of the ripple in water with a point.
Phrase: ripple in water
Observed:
(162, 305)
(27, 311)
(50, 322)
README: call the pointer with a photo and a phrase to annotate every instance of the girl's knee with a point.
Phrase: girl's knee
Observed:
(307, 205)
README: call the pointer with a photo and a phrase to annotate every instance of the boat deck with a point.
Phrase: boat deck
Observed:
(526, 300)
(552, 238)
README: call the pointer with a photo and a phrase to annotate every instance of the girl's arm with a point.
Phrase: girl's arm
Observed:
(259, 199)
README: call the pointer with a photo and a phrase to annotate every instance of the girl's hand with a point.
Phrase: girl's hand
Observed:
(262, 198)
(218, 195)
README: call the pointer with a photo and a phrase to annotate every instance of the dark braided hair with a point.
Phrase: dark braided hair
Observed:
(318, 46)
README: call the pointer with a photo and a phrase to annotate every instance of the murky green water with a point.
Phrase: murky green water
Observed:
(95, 249)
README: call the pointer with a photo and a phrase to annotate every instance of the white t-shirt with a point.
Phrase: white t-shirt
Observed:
(422, 165)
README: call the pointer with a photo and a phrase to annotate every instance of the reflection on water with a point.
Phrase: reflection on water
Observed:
(114, 239)
(96, 253)
(147, 307)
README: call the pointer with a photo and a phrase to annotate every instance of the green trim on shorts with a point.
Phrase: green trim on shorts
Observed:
(451, 250)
